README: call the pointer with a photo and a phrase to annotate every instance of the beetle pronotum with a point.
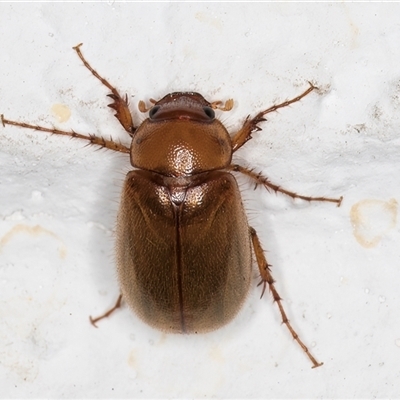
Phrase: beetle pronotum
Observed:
(184, 264)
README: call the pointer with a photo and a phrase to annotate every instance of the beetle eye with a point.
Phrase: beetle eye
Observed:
(153, 111)
(209, 112)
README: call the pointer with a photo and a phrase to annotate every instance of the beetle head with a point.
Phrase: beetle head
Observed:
(182, 105)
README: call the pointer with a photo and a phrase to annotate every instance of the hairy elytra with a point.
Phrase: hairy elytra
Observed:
(183, 243)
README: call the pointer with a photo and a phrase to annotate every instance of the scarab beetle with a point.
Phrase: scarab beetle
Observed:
(183, 244)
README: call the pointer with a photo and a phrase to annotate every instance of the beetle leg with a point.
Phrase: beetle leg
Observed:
(251, 125)
(259, 179)
(120, 104)
(92, 139)
(108, 313)
(266, 278)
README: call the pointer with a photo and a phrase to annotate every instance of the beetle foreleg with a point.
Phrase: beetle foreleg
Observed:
(251, 125)
(266, 278)
(259, 179)
(92, 139)
(120, 104)
(108, 313)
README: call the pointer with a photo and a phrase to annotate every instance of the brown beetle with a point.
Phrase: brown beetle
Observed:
(184, 246)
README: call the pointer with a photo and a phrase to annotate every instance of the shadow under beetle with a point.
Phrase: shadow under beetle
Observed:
(183, 243)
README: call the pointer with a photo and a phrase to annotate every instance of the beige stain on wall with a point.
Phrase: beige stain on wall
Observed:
(32, 231)
(61, 112)
(372, 220)
(14, 356)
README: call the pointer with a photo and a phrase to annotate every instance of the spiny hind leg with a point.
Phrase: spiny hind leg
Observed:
(266, 278)
(93, 321)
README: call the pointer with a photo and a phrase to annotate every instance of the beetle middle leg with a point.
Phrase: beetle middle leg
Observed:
(266, 278)
(251, 125)
(92, 139)
(260, 179)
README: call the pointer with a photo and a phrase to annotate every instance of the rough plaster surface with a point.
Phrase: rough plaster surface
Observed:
(338, 269)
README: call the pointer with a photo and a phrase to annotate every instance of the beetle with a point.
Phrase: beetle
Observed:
(183, 243)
